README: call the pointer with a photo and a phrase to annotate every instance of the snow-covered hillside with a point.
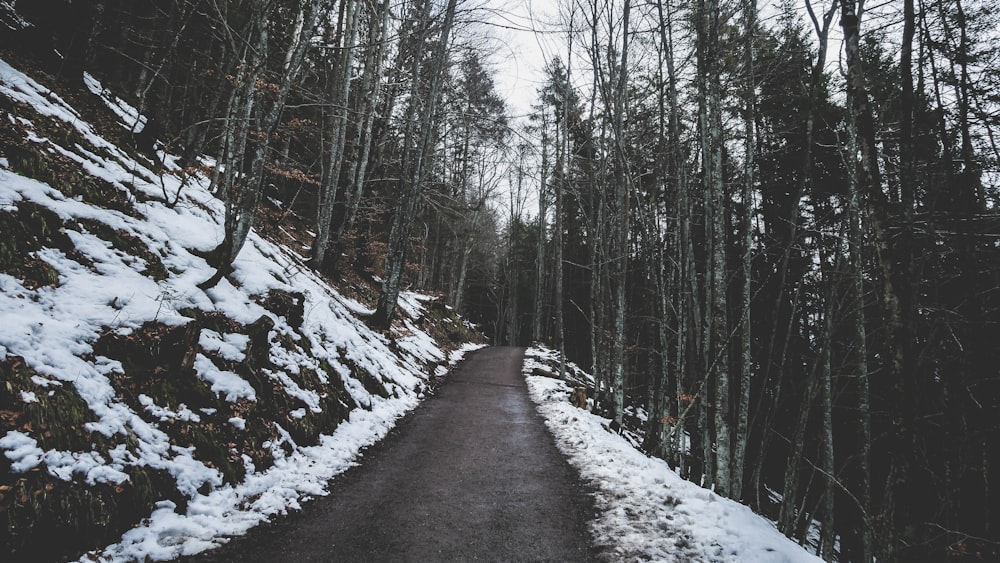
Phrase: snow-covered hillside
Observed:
(134, 402)
(646, 512)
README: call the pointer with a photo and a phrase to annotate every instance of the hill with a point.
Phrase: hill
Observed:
(134, 402)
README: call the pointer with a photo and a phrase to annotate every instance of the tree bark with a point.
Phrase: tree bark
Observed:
(539, 305)
(870, 183)
(858, 350)
(337, 130)
(740, 436)
(620, 248)
(411, 183)
(716, 345)
(789, 516)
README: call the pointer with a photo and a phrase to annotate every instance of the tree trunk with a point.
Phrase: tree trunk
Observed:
(716, 323)
(411, 182)
(858, 358)
(463, 269)
(870, 183)
(684, 287)
(825, 338)
(620, 248)
(242, 191)
(789, 515)
(746, 361)
(971, 172)
(341, 88)
(235, 184)
(539, 305)
(371, 87)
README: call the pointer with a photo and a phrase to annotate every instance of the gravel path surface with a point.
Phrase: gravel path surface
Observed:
(471, 475)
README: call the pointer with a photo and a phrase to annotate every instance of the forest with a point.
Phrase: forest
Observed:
(770, 230)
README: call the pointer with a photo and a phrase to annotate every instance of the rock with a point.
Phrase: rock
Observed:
(288, 304)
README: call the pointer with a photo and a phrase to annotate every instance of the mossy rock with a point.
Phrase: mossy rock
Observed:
(157, 361)
(57, 417)
(274, 403)
(37, 506)
(214, 320)
(28, 229)
(371, 384)
(152, 349)
(441, 320)
(287, 304)
(333, 409)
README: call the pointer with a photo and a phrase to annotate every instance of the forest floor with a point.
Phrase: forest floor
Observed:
(472, 474)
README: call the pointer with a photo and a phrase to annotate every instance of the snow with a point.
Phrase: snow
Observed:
(22, 451)
(646, 512)
(130, 117)
(228, 346)
(163, 414)
(54, 329)
(225, 383)
(90, 465)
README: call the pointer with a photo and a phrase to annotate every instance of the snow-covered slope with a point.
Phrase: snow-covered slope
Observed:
(134, 402)
(646, 512)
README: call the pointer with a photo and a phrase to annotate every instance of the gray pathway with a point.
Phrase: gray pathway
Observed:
(470, 475)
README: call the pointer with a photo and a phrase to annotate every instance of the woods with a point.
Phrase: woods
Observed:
(770, 230)
(793, 315)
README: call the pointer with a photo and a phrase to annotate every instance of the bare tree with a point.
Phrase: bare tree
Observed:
(421, 115)
(339, 44)
(253, 115)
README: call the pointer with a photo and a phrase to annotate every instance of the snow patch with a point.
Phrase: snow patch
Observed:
(646, 512)
(22, 451)
(55, 328)
(131, 119)
(225, 383)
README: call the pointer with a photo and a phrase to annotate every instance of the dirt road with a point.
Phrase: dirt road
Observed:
(472, 474)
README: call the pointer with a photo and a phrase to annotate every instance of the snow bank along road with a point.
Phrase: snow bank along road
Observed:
(472, 474)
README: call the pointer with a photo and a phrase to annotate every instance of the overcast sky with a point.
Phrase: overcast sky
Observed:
(521, 52)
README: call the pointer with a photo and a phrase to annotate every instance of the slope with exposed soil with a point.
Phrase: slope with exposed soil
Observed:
(138, 409)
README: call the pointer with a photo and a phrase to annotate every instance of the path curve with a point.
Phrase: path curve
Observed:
(471, 474)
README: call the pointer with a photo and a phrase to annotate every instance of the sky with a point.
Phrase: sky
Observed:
(526, 35)
(520, 37)
(521, 51)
